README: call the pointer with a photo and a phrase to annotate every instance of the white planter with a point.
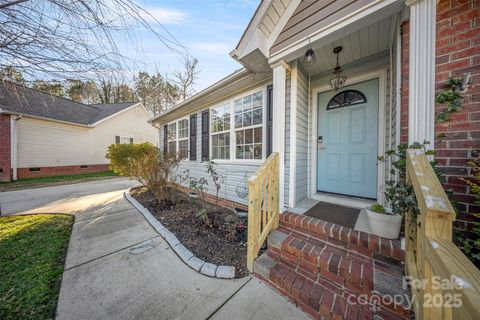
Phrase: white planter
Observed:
(385, 225)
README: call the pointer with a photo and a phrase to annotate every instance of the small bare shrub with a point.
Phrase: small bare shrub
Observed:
(217, 178)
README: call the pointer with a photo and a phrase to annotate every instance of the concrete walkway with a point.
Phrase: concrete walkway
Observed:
(118, 267)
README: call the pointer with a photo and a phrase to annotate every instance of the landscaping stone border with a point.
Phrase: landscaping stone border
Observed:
(208, 269)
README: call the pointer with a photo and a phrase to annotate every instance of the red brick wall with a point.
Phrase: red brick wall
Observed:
(221, 201)
(5, 164)
(457, 53)
(405, 31)
(24, 173)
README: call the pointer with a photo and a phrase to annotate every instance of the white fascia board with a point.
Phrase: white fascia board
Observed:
(47, 119)
(251, 28)
(287, 14)
(257, 41)
(117, 113)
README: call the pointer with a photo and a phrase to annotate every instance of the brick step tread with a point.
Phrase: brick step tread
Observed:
(364, 243)
(318, 298)
(343, 269)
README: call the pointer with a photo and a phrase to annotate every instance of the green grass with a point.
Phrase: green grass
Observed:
(68, 177)
(32, 257)
(52, 181)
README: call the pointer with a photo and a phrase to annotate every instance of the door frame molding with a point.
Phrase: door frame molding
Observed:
(381, 74)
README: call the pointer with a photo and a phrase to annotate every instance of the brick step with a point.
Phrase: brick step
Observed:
(297, 261)
(319, 259)
(319, 299)
(363, 243)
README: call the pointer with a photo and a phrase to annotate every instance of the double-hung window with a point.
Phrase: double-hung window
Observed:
(178, 138)
(237, 128)
(220, 125)
(248, 126)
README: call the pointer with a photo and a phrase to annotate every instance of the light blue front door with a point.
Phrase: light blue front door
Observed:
(347, 140)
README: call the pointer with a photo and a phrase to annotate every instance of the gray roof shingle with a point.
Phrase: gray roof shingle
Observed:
(18, 99)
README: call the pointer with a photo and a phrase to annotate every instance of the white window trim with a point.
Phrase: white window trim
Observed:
(124, 137)
(177, 139)
(232, 130)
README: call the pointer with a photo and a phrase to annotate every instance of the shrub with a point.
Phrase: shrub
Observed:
(147, 164)
(470, 239)
(378, 208)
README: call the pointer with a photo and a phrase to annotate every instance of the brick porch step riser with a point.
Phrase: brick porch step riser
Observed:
(343, 272)
(361, 242)
(320, 299)
(323, 261)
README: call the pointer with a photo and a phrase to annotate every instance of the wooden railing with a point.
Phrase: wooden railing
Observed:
(431, 255)
(263, 206)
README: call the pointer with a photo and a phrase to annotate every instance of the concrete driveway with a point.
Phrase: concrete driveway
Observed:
(118, 267)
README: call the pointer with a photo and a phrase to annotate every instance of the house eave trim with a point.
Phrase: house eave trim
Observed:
(231, 79)
(119, 112)
(46, 119)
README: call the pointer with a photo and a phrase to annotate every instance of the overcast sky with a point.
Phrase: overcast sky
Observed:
(210, 29)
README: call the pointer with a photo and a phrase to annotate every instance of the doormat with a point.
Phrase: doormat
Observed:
(334, 213)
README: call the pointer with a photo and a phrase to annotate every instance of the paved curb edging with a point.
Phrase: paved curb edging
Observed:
(208, 269)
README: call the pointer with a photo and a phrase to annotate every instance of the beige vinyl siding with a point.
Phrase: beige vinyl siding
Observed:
(43, 143)
(130, 124)
(312, 15)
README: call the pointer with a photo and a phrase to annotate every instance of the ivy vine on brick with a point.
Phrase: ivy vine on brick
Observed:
(451, 97)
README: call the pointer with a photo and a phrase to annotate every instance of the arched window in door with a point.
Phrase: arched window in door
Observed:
(346, 98)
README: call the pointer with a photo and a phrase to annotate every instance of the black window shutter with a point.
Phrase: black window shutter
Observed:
(193, 137)
(131, 140)
(117, 139)
(205, 134)
(269, 119)
(165, 138)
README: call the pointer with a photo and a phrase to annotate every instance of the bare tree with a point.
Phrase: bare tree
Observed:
(186, 78)
(54, 88)
(72, 38)
(156, 93)
(115, 92)
(11, 74)
(82, 91)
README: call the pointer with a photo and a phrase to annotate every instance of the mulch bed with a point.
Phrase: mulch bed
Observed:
(223, 241)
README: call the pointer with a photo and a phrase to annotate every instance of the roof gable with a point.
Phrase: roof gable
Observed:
(264, 27)
(311, 16)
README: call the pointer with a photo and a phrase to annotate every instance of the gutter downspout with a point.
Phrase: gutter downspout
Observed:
(13, 145)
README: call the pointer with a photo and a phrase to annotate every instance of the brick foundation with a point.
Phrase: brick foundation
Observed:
(221, 201)
(457, 53)
(24, 173)
(5, 160)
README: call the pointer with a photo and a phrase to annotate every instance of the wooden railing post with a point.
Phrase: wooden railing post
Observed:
(433, 254)
(263, 209)
(253, 225)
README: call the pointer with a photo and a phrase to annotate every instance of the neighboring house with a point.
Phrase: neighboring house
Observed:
(396, 54)
(42, 135)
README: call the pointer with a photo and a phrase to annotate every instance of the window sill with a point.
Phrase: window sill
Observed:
(238, 161)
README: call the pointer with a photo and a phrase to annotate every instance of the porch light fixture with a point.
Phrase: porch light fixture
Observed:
(309, 57)
(338, 78)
